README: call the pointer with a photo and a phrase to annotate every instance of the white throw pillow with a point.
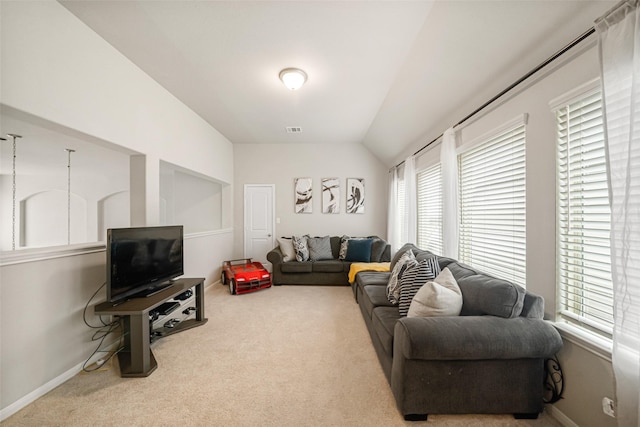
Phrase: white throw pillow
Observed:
(440, 297)
(286, 247)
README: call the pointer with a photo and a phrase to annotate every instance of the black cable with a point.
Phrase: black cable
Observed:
(112, 326)
(84, 312)
(101, 334)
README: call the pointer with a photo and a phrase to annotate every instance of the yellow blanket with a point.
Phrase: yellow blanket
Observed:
(357, 267)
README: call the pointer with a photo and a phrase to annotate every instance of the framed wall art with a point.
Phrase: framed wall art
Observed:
(355, 195)
(330, 195)
(303, 195)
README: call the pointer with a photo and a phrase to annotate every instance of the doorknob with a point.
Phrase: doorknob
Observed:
(269, 235)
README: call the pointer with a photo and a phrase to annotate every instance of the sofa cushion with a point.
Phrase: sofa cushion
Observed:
(413, 278)
(440, 297)
(301, 248)
(377, 249)
(328, 266)
(319, 248)
(372, 297)
(379, 278)
(296, 267)
(335, 246)
(286, 247)
(358, 250)
(383, 322)
(484, 294)
(460, 270)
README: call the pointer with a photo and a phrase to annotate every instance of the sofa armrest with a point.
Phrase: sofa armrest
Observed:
(275, 256)
(474, 338)
(532, 306)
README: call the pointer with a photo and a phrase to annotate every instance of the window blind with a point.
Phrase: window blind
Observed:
(492, 205)
(400, 208)
(583, 215)
(429, 189)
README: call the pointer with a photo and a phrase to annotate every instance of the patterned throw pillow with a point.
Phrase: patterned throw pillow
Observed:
(344, 242)
(319, 248)
(413, 278)
(301, 248)
(393, 287)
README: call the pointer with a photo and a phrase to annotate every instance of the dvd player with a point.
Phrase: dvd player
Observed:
(165, 308)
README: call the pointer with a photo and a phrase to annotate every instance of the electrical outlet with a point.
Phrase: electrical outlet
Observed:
(608, 407)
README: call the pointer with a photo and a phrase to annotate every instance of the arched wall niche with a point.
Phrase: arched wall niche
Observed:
(94, 177)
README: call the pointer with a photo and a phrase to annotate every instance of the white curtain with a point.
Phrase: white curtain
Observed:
(393, 225)
(410, 223)
(449, 171)
(619, 49)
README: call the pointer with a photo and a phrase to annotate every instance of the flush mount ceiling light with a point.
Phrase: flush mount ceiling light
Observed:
(293, 78)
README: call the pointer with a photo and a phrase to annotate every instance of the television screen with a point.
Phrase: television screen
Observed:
(141, 260)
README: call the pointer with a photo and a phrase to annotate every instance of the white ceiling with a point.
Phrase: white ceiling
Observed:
(391, 75)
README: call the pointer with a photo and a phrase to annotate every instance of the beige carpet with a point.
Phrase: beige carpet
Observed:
(284, 356)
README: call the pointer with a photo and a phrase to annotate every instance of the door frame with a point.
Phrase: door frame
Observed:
(244, 214)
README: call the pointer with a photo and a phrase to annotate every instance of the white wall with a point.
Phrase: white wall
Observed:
(588, 377)
(279, 164)
(55, 68)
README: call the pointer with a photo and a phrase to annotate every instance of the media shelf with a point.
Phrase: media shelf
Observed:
(170, 314)
(137, 359)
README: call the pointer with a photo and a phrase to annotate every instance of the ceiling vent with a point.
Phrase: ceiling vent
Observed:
(294, 129)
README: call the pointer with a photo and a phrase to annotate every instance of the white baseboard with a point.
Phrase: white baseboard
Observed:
(44, 389)
(559, 416)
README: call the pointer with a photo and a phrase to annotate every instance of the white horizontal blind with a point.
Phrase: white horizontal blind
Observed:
(492, 206)
(429, 188)
(584, 217)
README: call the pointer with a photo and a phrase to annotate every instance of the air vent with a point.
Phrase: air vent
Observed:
(294, 129)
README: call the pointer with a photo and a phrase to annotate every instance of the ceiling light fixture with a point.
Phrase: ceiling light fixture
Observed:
(293, 78)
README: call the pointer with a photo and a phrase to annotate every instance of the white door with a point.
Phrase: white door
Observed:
(259, 221)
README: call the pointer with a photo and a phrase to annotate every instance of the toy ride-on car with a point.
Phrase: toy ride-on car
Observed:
(244, 276)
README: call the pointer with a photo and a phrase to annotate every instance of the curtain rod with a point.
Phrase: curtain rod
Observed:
(513, 85)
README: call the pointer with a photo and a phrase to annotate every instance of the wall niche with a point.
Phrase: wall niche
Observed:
(61, 197)
(190, 199)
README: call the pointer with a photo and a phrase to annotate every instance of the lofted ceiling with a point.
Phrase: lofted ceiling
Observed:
(390, 75)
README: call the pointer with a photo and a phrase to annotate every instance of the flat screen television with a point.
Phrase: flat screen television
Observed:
(142, 260)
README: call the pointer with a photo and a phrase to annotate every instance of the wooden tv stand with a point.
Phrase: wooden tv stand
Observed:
(136, 359)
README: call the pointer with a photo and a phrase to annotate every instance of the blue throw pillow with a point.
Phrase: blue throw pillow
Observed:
(359, 250)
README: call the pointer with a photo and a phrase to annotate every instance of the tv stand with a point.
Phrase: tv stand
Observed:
(136, 359)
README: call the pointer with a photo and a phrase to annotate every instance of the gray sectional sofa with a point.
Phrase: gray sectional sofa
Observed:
(490, 359)
(332, 271)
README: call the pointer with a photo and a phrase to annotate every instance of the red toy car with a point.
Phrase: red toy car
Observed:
(244, 276)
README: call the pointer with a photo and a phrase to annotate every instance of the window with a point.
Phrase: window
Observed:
(583, 214)
(400, 200)
(429, 188)
(492, 204)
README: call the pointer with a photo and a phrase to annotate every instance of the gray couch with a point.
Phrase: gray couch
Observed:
(326, 272)
(490, 359)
